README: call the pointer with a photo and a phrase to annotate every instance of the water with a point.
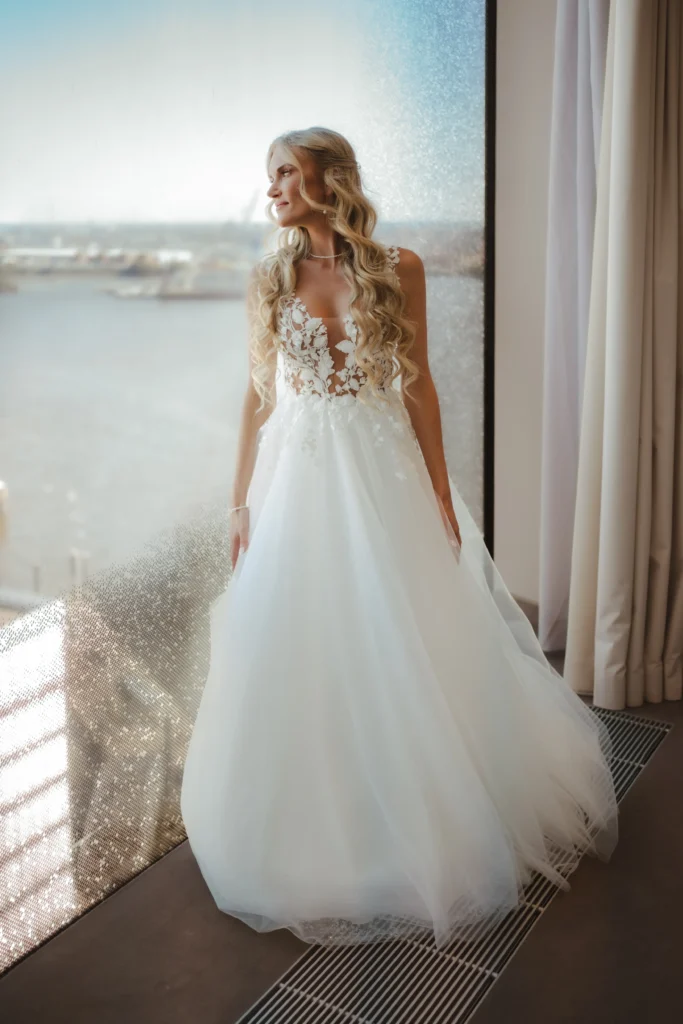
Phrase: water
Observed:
(119, 418)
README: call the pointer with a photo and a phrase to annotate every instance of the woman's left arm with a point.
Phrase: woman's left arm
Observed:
(422, 403)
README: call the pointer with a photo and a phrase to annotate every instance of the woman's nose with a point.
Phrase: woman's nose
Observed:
(273, 191)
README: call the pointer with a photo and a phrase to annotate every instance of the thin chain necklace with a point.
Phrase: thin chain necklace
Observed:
(334, 256)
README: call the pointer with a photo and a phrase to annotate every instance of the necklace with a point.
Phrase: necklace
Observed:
(312, 255)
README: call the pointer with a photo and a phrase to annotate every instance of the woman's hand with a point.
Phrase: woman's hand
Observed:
(448, 515)
(239, 527)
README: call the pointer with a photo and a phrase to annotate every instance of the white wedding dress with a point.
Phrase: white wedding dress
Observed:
(381, 744)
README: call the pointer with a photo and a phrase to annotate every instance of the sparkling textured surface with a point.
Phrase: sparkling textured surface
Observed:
(99, 690)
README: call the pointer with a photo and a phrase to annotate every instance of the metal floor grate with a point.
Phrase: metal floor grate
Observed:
(410, 981)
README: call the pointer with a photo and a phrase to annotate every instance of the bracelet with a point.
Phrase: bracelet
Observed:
(235, 507)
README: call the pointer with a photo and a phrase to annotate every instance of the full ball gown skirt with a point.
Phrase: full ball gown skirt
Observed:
(381, 745)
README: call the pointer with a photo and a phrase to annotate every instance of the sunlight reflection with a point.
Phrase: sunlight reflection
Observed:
(37, 890)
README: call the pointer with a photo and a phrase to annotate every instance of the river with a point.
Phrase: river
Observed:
(119, 417)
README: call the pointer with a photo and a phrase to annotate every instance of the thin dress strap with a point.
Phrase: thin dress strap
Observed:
(393, 256)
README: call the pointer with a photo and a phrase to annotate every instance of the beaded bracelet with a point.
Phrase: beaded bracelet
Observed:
(235, 507)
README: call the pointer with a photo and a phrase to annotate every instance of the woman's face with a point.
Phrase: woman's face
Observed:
(290, 208)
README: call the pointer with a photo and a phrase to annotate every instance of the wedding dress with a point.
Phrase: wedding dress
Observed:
(381, 745)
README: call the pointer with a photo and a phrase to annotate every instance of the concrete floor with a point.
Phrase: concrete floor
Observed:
(608, 951)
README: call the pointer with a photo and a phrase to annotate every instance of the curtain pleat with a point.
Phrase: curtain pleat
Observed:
(580, 48)
(625, 624)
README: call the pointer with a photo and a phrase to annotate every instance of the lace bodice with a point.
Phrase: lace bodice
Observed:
(307, 359)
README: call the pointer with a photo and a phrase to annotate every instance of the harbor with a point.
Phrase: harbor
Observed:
(153, 274)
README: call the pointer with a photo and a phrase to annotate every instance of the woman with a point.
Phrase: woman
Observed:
(381, 747)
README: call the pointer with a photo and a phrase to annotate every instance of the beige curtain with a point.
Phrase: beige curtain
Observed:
(625, 623)
(576, 126)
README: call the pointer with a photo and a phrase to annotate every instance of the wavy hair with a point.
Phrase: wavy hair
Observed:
(377, 303)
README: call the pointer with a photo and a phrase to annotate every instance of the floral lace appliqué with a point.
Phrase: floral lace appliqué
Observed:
(394, 255)
(309, 369)
(307, 360)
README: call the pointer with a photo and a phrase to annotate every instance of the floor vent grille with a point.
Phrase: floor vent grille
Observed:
(409, 981)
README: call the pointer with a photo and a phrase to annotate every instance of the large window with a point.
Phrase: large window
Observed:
(132, 200)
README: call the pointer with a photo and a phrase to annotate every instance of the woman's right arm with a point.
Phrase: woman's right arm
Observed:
(250, 423)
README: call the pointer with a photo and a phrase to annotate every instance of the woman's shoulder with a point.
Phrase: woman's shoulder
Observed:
(404, 261)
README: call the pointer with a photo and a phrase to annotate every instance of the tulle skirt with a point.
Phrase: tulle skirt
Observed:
(381, 745)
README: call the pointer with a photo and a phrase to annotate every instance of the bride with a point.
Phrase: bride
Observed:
(381, 748)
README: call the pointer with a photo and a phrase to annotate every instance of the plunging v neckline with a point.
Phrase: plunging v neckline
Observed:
(346, 318)
(392, 252)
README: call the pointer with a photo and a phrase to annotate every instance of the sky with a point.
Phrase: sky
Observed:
(163, 110)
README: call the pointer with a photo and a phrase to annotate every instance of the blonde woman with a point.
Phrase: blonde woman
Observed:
(382, 748)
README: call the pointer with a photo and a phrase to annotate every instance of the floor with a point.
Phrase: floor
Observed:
(608, 951)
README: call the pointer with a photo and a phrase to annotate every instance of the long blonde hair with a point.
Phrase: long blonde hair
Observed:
(377, 302)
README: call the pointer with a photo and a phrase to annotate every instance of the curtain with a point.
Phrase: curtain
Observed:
(625, 621)
(579, 71)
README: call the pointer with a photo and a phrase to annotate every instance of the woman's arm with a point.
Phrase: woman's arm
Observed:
(423, 407)
(251, 420)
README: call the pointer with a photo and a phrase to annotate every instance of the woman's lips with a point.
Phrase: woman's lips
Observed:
(278, 205)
